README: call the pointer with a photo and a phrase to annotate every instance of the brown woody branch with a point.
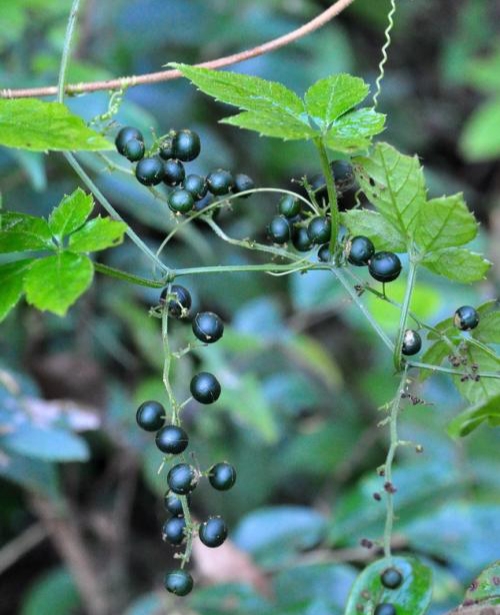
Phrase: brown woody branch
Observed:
(167, 75)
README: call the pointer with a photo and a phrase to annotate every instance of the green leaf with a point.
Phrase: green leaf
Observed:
(11, 283)
(434, 355)
(472, 417)
(354, 131)
(395, 184)
(55, 593)
(488, 330)
(55, 283)
(330, 98)
(49, 444)
(98, 234)
(373, 225)
(21, 232)
(40, 126)
(477, 392)
(412, 597)
(457, 264)
(486, 587)
(444, 223)
(272, 124)
(33, 476)
(71, 213)
(480, 139)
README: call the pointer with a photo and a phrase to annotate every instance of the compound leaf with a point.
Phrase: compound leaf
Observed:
(330, 98)
(373, 225)
(71, 213)
(21, 232)
(457, 264)
(98, 234)
(354, 131)
(271, 124)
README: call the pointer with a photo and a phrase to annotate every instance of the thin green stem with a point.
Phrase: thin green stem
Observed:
(449, 370)
(332, 195)
(167, 363)
(128, 277)
(267, 268)
(190, 530)
(405, 309)
(66, 54)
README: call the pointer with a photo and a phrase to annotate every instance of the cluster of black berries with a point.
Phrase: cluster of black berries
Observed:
(390, 578)
(173, 440)
(166, 164)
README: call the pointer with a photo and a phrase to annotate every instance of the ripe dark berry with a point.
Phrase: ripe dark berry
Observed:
(412, 342)
(172, 440)
(134, 150)
(167, 147)
(384, 609)
(186, 145)
(279, 229)
(208, 327)
(220, 182)
(466, 318)
(301, 240)
(213, 532)
(242, 183)
(319, 230)
(343, 174)
(173, 504)
(289, 206)
(205, 388)
(174, 172)
(179, 305)
(222, 476)
(324, 254)
(180, 201)
(182, 479)
(124, 136)
(391, 578)
(359, 251)
(384, 266)
(178, 582)
(149, 171)
(150, 416)
(196, 185)
(173, 530)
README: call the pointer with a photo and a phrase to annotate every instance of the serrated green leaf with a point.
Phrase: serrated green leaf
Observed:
(98, 234)
(484, 389)
(434, 355)
(55, 283)
(395, 184)
(486, 587)
(444, 223)
(472, 417)
(442, 326)
(373, 225)
(271, 124)
(21, 233)
(457, 264)
(71, 213)
(412, 597)
(330, 98)
(480, 139)
(488, 330)
(11, 283)
(354, 131)
(41, 126)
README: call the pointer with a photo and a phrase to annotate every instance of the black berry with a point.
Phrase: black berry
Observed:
(186, 144)
(213, 532)
(178, 307)
(150, 416)
(182, 479)
(173, 530)
(301, 240)
(149, 171)
(384, 266)
(180, 201)
(466, 318)
(384, 609)
(319, 230)
(391, 578)
(173, 171)
(173, 504)
(289, 206)
(279, 229)
(220, 182)
(178, 582)
(172, 440)
(343, 174)
(196, 185)
(412, 342)
(242, 183)
(124, 136)
(134, 150)
(208, 327)
(167, 147)
(205, 388)
(359, 251)
(324, 254)
(222, 476)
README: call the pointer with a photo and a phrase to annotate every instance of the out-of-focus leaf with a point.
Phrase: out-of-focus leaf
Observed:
(227, 599)
(49, 444)
(485, 410)
(54, 594)
(485, 587)
(480, 140)
(149, 604)
(33, 475)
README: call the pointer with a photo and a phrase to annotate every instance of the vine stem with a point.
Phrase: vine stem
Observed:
(394, 443)
(68, 41)
(332, 195)
(405, 310)
(383, 61)
(128, 277)
(167, 75)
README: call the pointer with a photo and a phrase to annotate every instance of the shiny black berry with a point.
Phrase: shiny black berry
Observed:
(196, 185)
(173, 530)
(359, 251)
(384, 609)
(179, 304)
(134, 150)
(324, 254)
(384, 266)
(412, 342)
(222, 476)
(180, 201)
(124, 136)
(220, 182)
(391, 578)
(208, 327)
(172, 440)
(178, 582)
(289, 206)
(186, 145)
(213, 532)
(150, 416)
(174, 172)
(205, 388)
(343, 174)
(167, 147)
(319, 230)
(466, 318)
(182, 479)
(173, 504)
(301, 240)
(149, 171)
(279, 229)
(242, 183)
